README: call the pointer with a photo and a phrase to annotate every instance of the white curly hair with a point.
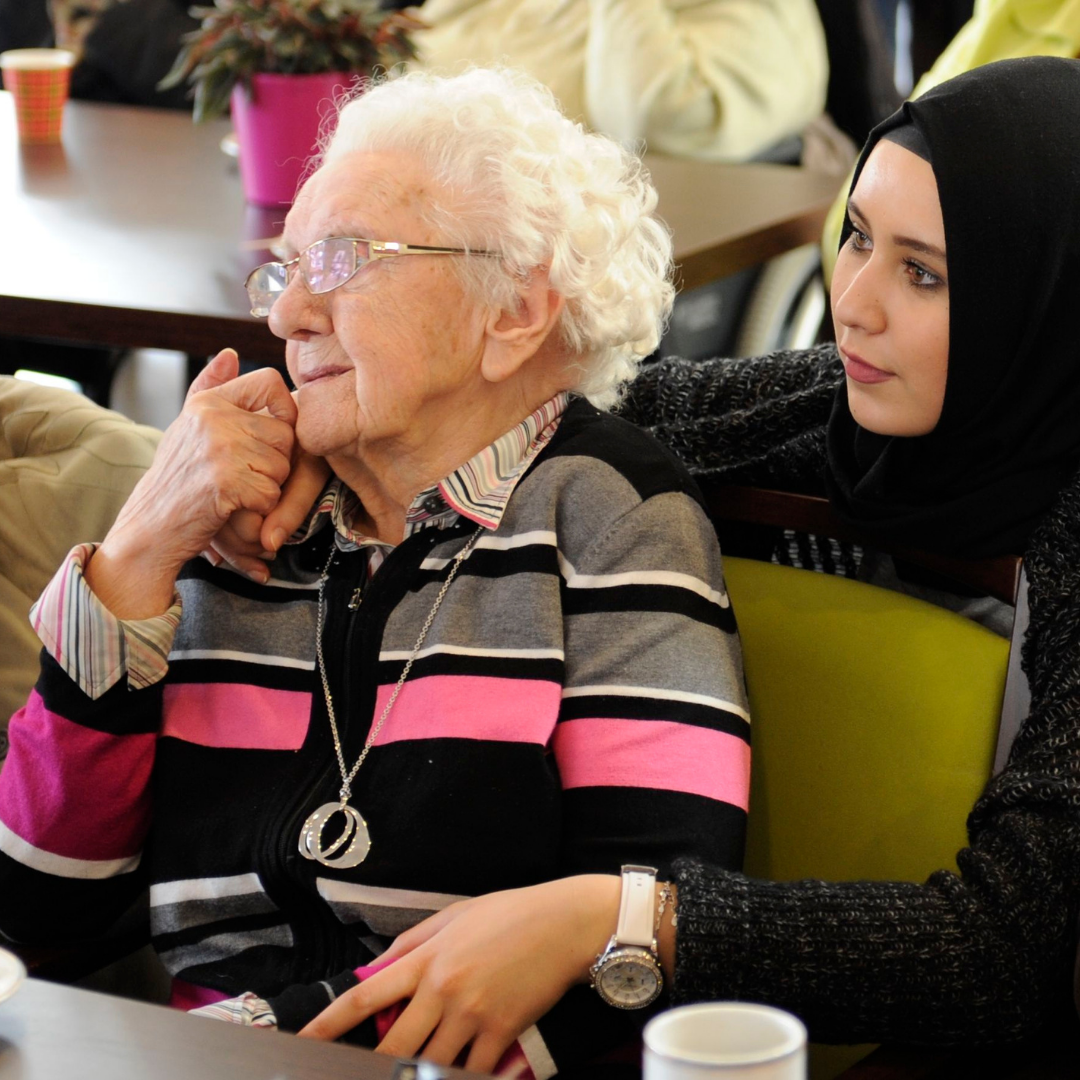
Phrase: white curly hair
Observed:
(525, 181)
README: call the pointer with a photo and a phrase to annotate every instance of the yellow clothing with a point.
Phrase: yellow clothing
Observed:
(715, 80)
(998, 30)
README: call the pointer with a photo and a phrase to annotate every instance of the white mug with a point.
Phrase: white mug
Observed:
(725, 1041)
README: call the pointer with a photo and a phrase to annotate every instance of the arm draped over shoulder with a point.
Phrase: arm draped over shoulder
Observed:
(759, 420)
(976, 957)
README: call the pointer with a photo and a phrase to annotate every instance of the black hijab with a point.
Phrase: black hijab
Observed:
(1004, 144)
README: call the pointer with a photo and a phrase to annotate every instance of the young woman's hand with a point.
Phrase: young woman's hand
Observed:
(482, 971)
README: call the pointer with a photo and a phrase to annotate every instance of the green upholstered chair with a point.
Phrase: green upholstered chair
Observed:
(875, 721)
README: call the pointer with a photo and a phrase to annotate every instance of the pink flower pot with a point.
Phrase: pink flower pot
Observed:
(277, 129)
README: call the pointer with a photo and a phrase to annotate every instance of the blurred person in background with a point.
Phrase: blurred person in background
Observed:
(713, 80)
(934, 23)
(25, 24)
(66, 468)
(123, 48)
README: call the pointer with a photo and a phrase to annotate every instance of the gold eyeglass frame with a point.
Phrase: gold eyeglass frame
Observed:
(377, 249)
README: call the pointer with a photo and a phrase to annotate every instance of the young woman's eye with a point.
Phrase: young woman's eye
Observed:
(859, 240)
(920, 277)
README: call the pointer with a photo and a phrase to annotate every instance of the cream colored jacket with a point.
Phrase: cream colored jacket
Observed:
(715, 80)
(66, 467)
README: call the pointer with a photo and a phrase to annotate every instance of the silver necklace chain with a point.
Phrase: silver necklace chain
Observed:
(356, 829)
(348, 775)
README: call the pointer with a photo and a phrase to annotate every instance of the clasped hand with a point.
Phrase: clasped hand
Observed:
(229, 451)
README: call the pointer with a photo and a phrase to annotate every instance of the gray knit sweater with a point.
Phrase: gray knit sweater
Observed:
(983, 957)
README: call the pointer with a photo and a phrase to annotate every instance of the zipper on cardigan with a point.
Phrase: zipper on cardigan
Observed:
(331, 947)
(327, 945)
(323, 946)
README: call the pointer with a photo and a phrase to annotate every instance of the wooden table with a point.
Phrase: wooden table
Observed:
(130, 233)
(133, 231)
(50, 1032)
(727, 217)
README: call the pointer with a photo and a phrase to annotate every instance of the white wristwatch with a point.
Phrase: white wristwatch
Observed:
(627, 973)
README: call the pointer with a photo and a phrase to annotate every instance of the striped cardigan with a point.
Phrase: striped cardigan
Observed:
(578, 704)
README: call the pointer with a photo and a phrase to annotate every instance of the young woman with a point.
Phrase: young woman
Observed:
(945, 416)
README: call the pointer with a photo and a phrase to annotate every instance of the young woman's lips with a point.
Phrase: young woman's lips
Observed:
(861, 371)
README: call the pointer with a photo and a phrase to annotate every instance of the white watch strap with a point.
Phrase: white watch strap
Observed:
(636, 906)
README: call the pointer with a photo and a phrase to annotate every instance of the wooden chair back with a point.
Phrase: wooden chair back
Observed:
(730, 504)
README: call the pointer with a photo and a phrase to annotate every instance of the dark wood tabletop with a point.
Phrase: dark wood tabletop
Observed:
(130, 233)
(725, 218)
(134, 231)
(52, 1032)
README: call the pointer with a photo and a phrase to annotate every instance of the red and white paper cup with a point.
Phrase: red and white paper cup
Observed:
(38, 80)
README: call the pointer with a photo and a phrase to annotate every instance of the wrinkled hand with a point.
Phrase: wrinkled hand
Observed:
(248, 539)
(482, 971)
(230, 449)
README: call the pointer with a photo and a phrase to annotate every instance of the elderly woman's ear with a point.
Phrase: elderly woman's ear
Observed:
(513, 337)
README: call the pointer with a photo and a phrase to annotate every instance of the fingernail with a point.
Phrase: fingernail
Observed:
(260, 577)
(278, 537)
(269, 556)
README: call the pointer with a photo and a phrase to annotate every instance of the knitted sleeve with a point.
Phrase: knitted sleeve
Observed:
(759, 420)
(977, 957)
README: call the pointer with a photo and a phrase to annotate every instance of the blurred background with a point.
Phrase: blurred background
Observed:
(815, 76)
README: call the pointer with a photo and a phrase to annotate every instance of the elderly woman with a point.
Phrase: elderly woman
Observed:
(499, 650)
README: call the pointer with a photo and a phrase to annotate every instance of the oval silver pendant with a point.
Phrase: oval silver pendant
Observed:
(354, 838)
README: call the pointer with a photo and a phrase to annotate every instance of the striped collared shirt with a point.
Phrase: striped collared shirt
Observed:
(96, 649)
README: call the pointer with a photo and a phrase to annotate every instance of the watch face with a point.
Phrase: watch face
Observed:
(629, 982)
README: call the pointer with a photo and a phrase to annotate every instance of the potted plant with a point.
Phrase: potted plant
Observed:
(280, 64)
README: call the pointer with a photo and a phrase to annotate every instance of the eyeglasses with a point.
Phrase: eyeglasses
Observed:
(327, 264)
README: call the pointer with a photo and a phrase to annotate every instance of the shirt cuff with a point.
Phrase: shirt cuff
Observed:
(248, 1010)
(93, 646)
(325, 503)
